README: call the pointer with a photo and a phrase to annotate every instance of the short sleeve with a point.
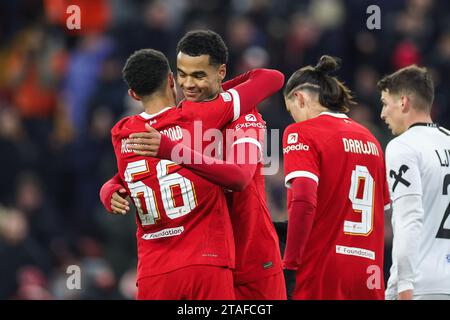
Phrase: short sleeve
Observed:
(402, 168)
(300, 154)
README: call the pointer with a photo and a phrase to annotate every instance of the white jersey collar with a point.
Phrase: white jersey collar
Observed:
(147, 116)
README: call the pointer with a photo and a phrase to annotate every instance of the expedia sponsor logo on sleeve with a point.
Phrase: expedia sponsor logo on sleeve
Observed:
(256, 125)
(250, 117)
(296, 147)
(292, 138)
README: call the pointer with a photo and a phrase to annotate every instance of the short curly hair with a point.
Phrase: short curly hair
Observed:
(146, 71)
(200, 42)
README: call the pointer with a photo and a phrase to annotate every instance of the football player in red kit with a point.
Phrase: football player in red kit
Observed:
(335, 172)
(184, 234)
(258, 273)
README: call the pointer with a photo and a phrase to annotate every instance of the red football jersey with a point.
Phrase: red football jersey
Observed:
(343, 257)
(257, 247)
(182, 219)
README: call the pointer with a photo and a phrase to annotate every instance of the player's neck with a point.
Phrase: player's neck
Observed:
(213, 96)
(418, 118)
(157, 103)
(317, 110)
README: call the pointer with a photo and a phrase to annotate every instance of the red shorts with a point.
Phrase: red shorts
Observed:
(270, 288)
(351, 283)
(198, 282)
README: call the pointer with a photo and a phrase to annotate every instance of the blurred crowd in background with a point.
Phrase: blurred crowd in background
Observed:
(61, 92)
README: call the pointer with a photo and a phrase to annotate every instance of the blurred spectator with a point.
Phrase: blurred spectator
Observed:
(405, 54)
(83, 72)
(253, 57)
(328, 14)
(18, 153)
(127, 285)
(36, 65)
(91, 156)
(242, 33)
(97, 278)
(33, 285)
(111, 89)
(151, 27)
(17, 249)
(34, 68)
(302, 40)
(366, 78)
(440, 59)
(45, 224)
(95, 15)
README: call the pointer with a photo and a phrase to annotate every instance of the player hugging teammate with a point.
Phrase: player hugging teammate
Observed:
(204, 224)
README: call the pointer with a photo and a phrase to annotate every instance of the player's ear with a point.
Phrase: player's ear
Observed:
(171, 80)
(222, 71)
(299, 99)
(133, 94)
(406, 103)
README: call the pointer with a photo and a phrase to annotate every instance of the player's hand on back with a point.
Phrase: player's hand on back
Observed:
(145, 143)
(119, 204)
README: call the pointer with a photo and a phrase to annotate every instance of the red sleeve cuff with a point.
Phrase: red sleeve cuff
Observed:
(165, 148)
(107, 190)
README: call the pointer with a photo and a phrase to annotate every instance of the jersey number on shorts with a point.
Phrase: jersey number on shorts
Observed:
(362, 190)
(145, 199)
(442, 232)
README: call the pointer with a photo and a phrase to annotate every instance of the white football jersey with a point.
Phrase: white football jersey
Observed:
(417, 164)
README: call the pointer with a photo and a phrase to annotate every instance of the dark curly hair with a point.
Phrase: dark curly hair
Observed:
(146, 71)
(200, 42)
(333, 94)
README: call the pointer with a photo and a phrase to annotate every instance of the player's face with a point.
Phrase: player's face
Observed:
(198, 79)
(392, 112)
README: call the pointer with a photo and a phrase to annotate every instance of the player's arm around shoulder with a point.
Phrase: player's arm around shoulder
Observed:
(231, 104)
(261, 84)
